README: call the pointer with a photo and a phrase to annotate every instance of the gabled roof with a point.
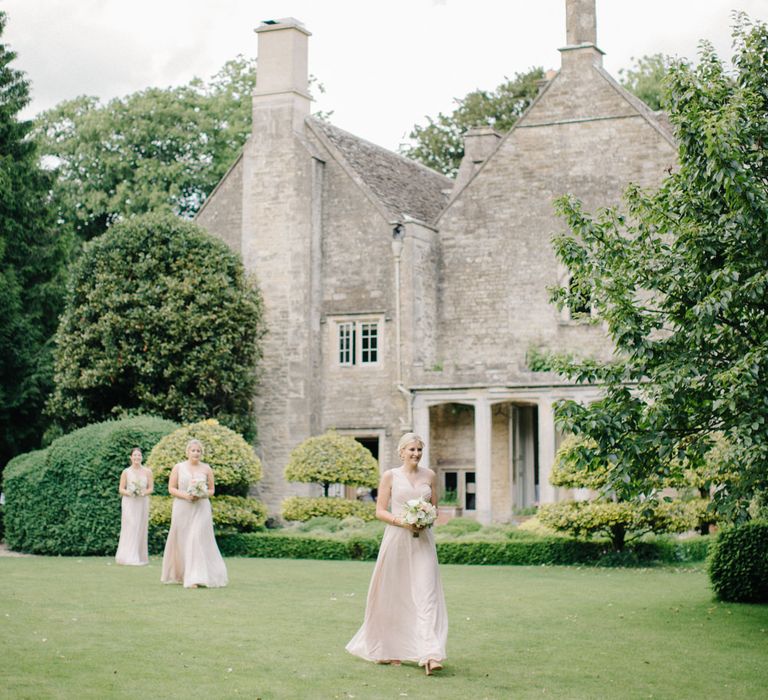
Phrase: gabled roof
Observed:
(401, 186)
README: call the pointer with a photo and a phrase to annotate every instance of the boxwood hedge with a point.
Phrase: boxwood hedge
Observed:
(64, 499)
(738, 563)
(528, 551)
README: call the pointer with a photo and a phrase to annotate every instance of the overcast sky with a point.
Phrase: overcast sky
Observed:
(385, 65)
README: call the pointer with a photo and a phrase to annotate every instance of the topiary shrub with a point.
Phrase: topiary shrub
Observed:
(230, 514)
(160, 318)
(234, 463)
(738, 563)
(332, 459)
(64, 499)
(302, 509)
(620, 521)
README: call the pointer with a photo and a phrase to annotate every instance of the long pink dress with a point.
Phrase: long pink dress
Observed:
(191, 555)
(134, 523)
(405, 615)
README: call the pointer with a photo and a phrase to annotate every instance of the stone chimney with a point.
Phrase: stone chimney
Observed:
(479, 143)
(580, 35)
(282, 73)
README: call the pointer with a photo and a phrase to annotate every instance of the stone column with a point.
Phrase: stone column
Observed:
(546, 449)
(483, 461)
(421, 426)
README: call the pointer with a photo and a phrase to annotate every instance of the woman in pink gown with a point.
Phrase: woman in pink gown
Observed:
(135, 486)
(191, 555)
(405, 615)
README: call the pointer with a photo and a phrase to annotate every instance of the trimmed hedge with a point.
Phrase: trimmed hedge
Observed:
(64, 499)
(234, 463)
(738, 563)
(523, 551)
(299, 508)
(231, 514)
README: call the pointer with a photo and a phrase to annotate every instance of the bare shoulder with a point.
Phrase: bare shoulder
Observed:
(386, 477)
(431, 474)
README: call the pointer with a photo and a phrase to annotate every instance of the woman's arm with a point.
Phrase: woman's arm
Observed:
(382, 500)
(121, 488)
(173, 485)
(150, 482)
(211, 486)
(433, 487)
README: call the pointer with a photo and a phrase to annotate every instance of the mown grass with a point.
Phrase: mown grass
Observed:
(85, 628)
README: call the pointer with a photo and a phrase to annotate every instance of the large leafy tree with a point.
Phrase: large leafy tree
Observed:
(681, 282)
(154, 149)
(31, 270)
(646, 78)
(439, 144)
(160, 318)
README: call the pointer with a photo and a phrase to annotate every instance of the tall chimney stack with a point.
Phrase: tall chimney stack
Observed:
(580, 34)
(282, 70)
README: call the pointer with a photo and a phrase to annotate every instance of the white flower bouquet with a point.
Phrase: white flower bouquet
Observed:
(198, 488)
(134, 488)
(419, 513)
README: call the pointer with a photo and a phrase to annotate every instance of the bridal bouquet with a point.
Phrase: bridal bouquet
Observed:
(198, 488)
(134, 488)
(420, 513)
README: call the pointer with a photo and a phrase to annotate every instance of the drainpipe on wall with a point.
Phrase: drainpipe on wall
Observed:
(398, 233)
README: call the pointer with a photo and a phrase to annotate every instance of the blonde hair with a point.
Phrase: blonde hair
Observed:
(195, 441)
(407, 439)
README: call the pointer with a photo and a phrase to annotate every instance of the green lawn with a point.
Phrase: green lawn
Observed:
(85, 628)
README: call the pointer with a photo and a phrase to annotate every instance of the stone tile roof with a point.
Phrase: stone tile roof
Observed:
(402, 186)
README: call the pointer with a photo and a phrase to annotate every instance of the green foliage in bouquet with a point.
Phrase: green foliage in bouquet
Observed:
(64, 499)
(160, 318)
(738, 563)
(302, 509)
(332, 459)
(231, 514)
(234, 463)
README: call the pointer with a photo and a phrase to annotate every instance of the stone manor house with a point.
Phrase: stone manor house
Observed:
(399, 299)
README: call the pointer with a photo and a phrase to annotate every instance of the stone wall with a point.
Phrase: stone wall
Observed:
(581, 138)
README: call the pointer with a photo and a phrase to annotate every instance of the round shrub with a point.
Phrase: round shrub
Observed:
(459, 526)
(64, 499)
(230, 514)
(302, 509)
(738, 563)
(234, 463)
(159, 318)
(332, 459)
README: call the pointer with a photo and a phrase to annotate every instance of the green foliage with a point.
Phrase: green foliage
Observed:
(160, 318)
(235, 465)
(620, 521)
(579, 464)
(528, 551)
(154, 149)
(32, 269)
(440, 144)
(459, 526)
(679, 280)
(64, 499)
(647, 79)
(738, 563)
(332, 459)
(302, 508)
(231, 514)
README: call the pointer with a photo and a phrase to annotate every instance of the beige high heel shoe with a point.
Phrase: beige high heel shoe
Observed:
(432, 666)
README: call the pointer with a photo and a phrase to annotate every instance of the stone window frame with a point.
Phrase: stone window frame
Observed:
(351, 340)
